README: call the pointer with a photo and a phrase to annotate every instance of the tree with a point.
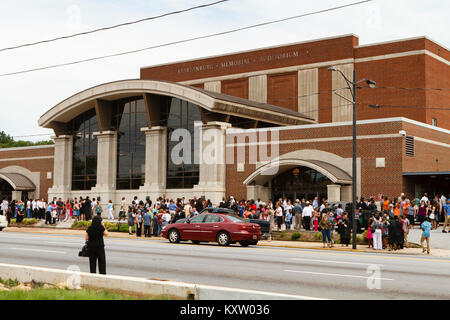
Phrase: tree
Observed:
(5, 138)
(6, 141)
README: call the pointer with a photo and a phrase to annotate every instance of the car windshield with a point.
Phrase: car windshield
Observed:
(236, 219)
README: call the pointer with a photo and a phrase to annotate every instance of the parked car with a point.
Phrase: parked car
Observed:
(3, 222)
(224, 229)
(265, 225)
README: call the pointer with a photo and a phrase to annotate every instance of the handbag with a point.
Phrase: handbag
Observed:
(84, 251)
(432, 216)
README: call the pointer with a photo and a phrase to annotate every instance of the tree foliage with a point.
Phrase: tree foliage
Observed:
(6, 141)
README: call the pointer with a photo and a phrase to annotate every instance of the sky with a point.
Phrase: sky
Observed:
(26, 97)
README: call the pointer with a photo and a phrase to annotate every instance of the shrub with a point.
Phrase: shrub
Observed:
(29, 221)
(296, 236)
(364, 234)
(318, 236)
(13, 221)
(81, 225)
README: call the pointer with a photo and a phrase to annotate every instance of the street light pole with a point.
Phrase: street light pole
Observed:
(353, 89)
(354, 162)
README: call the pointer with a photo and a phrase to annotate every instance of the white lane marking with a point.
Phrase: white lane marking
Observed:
(37, 250)
(336, 275)
(341, 262)
(54, 242)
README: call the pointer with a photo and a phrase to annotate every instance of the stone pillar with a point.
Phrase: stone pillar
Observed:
(62, 169)
(259, 192)
(212, 182)
(106, 165)
(334, 193)
(16, 195)
(155, 160)
(346, 193)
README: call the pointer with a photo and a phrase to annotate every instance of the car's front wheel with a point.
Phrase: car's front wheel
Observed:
(174, 236)
(254, 242)
(223, 238)
(1, 229)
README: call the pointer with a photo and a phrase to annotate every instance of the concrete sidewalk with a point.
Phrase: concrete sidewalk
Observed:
(435, 252)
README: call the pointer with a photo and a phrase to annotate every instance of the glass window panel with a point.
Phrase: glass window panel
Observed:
(84, 164)
(130, 118)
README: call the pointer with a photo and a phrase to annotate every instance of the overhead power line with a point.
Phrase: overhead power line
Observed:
(186, 40)
(114, 26)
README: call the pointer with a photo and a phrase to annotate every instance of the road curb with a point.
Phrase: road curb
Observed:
(178, 290)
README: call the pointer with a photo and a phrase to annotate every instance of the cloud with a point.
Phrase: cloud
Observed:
(24, 98)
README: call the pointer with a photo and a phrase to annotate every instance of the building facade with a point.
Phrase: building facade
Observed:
(262, 124)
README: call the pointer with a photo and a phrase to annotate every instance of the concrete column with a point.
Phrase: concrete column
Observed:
(308, 86)
(334, 193)
(106, 161)
(62, 169)
(212, 182)
(16, 195)
(214, 86)
(155, 160)
(259, 192)
(346, 193)
(342, 109)
(257, 88)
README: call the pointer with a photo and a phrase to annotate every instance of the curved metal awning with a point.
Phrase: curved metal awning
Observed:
(18, 182)
(210, 101)
(268, 171)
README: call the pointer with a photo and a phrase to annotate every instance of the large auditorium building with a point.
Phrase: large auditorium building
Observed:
(275, 121)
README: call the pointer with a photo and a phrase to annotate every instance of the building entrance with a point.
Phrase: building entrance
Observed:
(298, 183)
(5, 190)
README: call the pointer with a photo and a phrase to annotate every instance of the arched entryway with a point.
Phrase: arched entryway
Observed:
(5, 190)
(296, 179)
(15, 186)
(300, 182)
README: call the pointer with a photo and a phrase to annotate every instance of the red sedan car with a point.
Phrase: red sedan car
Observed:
(214, 227)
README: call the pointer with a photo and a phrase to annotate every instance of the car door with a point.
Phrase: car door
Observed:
(211, 225)
(193, 229)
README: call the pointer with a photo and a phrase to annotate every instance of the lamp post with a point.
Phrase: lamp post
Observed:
(352, 86)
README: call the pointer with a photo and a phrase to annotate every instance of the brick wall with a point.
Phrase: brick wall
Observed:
(34, 164)
(410, 71)
(388, 180)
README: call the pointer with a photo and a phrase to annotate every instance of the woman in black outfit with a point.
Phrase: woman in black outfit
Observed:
(96, 246)
(344, 229)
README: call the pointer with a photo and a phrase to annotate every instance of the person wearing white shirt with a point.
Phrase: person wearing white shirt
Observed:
(41, 206)
(425, 198)
(34, 208)
(4, 206)
(307, 215)
(279, 215)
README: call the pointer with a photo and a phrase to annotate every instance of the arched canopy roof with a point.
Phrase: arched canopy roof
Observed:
(268, 171)
(79, 103)
(18, 182)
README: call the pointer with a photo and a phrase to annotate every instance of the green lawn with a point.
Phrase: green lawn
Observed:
(61, 294)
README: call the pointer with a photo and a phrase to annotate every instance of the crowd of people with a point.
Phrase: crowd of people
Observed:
(387, 228)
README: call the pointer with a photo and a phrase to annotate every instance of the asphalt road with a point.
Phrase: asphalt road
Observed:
(311, 273)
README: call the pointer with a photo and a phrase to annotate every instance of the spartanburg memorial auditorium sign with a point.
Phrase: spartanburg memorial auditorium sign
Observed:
(226, 64)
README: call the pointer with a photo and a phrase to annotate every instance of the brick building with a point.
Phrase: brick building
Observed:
(272, 116)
